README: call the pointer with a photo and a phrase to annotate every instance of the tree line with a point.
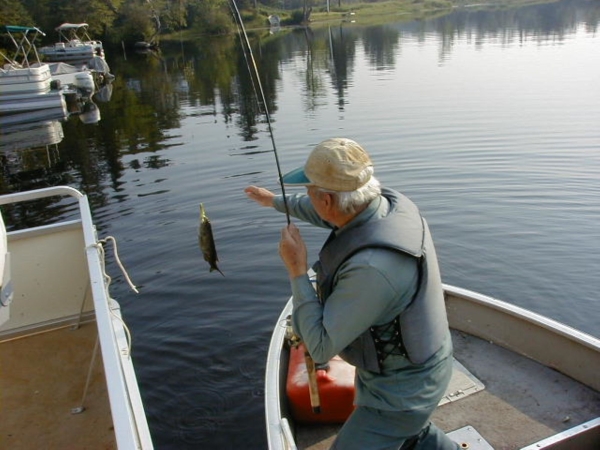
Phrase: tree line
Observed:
(128, 21)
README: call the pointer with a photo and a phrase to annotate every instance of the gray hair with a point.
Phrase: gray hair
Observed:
(348, 202)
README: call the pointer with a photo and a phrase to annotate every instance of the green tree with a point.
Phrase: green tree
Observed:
(99, 14)
(211, 16)
(12, 12)
(134, 23)
(123, 20)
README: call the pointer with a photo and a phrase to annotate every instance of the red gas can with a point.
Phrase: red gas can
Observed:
(336, 395)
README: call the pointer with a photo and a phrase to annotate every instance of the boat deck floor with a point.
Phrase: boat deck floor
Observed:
(523, 402)
(42, 378)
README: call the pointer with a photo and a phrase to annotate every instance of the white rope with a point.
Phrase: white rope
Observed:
(108, 280)
(114, 241)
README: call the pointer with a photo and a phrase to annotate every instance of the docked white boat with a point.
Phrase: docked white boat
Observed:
(86, 79)
(19, 80)
(20, 75)
(26, 83)
(74, 45)
(71, 382)
(69, 75)
(520, 381)
(11, 121)
(10, 104)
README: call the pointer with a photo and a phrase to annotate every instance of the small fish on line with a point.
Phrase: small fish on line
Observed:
(207, 242)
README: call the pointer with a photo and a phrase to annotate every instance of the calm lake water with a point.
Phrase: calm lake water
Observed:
(487, 119)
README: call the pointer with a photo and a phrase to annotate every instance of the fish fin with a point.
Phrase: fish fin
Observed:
(212, 269)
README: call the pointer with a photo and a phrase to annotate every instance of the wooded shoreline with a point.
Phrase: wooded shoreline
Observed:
(118, 22)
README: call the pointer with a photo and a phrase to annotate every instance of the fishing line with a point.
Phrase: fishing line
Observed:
(255, 77)
(315, 400)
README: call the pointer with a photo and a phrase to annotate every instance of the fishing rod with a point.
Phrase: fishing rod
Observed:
(256, 79)
(313, 388)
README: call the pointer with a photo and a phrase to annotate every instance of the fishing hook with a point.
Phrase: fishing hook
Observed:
(255, 76)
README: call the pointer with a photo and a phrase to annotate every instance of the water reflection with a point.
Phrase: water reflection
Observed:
(29, 155)
(32, 153)
(154, 92)
(539, 23)
(22, 136)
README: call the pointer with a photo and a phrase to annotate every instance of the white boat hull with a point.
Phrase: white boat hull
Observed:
(69, 75)
(74, 45)
(24, 80)
(33, 102)
(68, 53)
(18, 121)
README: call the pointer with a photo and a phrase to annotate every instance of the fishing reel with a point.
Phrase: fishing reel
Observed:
(292, 338)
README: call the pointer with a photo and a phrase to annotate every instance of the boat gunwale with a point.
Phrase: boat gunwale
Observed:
(273, 401)
(557, 345)
(528, 315)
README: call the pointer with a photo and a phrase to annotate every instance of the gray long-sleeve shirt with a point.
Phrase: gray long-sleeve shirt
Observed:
(371, 288)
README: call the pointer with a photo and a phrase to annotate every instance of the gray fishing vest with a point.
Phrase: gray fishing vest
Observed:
(423, 325)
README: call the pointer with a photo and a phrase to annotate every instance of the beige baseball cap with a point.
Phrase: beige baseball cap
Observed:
(337, 164)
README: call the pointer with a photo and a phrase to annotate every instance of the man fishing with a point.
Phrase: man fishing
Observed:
(380, 300)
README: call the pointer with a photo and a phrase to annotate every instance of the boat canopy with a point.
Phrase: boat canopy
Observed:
(71, 26)
(24, 44)
(19, 29)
